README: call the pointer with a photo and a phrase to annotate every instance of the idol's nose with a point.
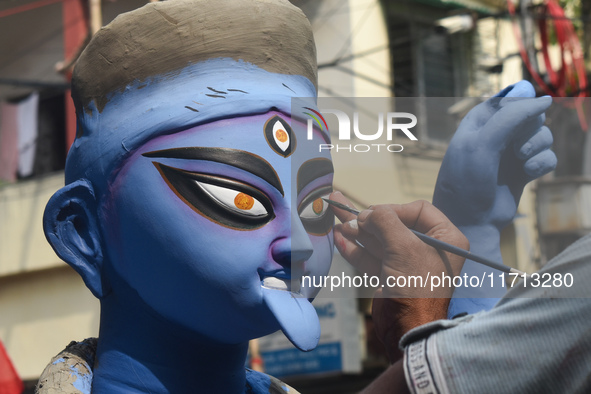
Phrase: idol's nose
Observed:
(293, 246)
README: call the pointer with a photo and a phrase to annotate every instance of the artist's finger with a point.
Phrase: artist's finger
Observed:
(541, 140)
(351, 230)
(355, 254)
(513, 115)
(383, 223)
(419, 215)
(540, 164)
(343, 243)
(424, 217)
(404, 253)
(341, 214)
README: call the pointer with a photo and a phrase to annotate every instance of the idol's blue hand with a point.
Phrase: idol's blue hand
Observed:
(498, 148)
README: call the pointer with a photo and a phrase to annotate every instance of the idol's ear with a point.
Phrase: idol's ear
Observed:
(71, 227)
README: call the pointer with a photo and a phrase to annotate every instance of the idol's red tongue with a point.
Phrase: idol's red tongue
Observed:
(296, 316)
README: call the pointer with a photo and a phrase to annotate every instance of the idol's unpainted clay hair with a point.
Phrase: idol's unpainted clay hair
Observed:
(172, 65)
(165, 37)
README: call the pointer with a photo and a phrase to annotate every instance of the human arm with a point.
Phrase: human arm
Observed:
(536, 339)
(391, 250)
(392, 380)
(498, 148)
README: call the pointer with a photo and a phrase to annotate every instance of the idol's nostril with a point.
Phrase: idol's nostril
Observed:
(281, 252)
(284, 255)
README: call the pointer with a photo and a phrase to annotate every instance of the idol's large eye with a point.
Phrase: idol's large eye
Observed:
(234, 200)
(315, 209)
(315, 213)
(224, 201)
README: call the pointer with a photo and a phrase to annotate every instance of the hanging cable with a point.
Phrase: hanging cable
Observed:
(526, 60)
(571, 78)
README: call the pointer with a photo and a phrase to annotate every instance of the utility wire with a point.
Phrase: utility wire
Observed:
(364, 77)
(356, 29)
(334, 10)
(390, 45)
(354, 56)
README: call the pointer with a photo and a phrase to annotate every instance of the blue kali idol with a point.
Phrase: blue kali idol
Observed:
(190, 202)
(193, 202)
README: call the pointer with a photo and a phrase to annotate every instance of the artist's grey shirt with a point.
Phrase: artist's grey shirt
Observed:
(535, 340)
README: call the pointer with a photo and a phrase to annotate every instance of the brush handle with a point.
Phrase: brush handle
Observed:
(461, 252)
(442, 245)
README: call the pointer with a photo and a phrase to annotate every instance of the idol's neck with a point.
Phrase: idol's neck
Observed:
(139, 353)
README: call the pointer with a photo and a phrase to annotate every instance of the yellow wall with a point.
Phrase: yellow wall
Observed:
(43, 302)
(22, 244)
(40, 313)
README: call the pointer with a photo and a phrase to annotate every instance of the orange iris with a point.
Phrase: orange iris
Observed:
(243, 201)
(317, 206)
(281, 135)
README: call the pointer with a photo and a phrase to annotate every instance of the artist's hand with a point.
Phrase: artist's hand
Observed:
(498, 148)
(391, 250)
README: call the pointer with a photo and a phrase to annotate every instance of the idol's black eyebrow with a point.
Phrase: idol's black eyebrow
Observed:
(313, 169)
(243, 160)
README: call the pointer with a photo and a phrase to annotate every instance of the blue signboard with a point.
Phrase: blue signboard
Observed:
(325, 358)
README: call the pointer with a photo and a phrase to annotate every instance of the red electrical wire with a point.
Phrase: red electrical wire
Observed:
(571, 78)
(557, 80)
(526, 61)
(573, 73)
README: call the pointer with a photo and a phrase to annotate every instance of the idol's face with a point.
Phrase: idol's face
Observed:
(210, 224)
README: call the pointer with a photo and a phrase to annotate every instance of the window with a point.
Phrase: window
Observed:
(427, 63)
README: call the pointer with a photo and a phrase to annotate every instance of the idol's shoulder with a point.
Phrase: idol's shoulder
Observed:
(259, 382)
(70, 372)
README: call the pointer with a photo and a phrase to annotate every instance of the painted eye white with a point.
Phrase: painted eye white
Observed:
(281, 136)
(234, 200)
(315, 209)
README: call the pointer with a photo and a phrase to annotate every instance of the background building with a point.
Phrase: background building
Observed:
(366, 48)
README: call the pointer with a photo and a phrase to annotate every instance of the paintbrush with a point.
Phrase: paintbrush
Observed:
(437, 244)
